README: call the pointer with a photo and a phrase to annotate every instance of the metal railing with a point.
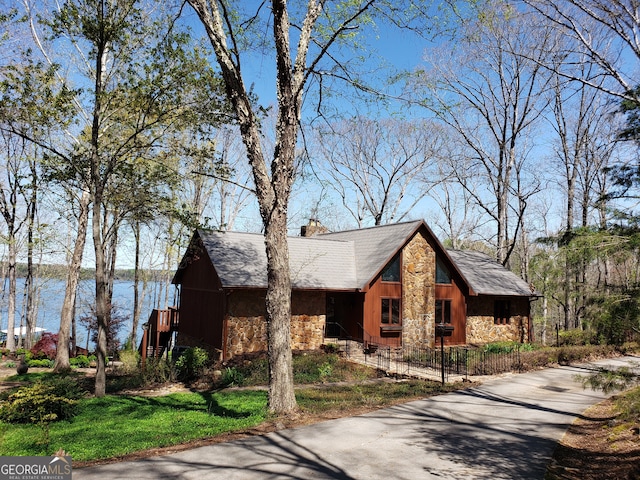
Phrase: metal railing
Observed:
(459, 361)
(465, 361)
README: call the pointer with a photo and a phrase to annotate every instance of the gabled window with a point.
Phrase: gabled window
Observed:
(390, 311)
(391, 272)
(502, 312)
(442, 273)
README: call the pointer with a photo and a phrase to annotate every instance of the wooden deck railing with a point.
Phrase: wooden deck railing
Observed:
(157, 334)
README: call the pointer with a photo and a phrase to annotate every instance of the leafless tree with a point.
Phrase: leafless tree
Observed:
(482, 87)
(607, 32)
(378, 167)
(13, 212)
(459, 217)
(583, 124)
(315, 29)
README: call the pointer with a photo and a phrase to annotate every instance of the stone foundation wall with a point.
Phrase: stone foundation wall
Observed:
(481, 328)
(418, 292)
(246, 329)
(308, 318)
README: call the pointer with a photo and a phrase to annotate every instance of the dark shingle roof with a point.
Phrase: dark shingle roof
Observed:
(374, 246)
(345, 260)
(486, 276)
(240, 261)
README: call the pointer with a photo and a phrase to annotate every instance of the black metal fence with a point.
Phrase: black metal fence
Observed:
(459, 361)
(463, 360)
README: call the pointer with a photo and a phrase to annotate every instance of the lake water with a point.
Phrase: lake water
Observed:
(51, 296)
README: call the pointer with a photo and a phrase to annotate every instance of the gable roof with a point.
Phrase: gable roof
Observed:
(488, 277)
(346, 260)
(240, 261)
(374, 247)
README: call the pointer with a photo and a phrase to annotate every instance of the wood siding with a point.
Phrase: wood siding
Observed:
(202, 304)
(345, 310)
(458, 312)
(373, 312)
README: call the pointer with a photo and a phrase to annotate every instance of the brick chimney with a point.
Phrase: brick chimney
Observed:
(314, 227)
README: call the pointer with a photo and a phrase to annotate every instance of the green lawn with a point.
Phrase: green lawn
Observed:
(117, 425)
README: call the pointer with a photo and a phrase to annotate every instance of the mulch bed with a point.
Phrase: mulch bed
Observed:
(597, 447)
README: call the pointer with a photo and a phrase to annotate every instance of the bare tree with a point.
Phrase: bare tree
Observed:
(582, 122)
(482, 86)
(607, 32)
(315, 29)
(378, 167)
(460, 219)
(13, 213)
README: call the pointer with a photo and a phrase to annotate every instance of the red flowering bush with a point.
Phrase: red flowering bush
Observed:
(45, 347)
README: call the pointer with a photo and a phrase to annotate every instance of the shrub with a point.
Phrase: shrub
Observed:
(44, 401)
(231, 377)
(21, 352)
(130, 360)
(325, 370)
(618, 323)
(81, 361)
(41, 363)
(577, 337)
(507, 347)
(331, 348)
(191, 363)
(157, 370)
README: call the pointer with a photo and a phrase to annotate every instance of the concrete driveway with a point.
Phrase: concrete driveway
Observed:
(507, 428)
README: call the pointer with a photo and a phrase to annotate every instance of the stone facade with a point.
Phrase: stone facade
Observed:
(308, 318)
(246, 328)
(481, 328)
(418, 292)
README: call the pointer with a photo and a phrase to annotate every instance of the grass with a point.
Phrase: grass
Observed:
(113, 426)
(336, 398)
(628, 406)
(119, 425)
(310, 367)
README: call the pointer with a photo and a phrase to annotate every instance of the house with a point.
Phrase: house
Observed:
(384, 285)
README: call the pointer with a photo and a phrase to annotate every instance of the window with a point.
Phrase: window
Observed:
(391, 272)
(502, 312)
(443, 311)
(390, 311)
(442, 273)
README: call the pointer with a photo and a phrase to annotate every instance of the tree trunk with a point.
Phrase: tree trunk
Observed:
(97, 185)
(11, 307)
(29, 304)
(278, 305)
(71, 290)
(102, 307)
(133, 339)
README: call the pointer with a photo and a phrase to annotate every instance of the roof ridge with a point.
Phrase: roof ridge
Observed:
(236, 232)
(371, 227)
